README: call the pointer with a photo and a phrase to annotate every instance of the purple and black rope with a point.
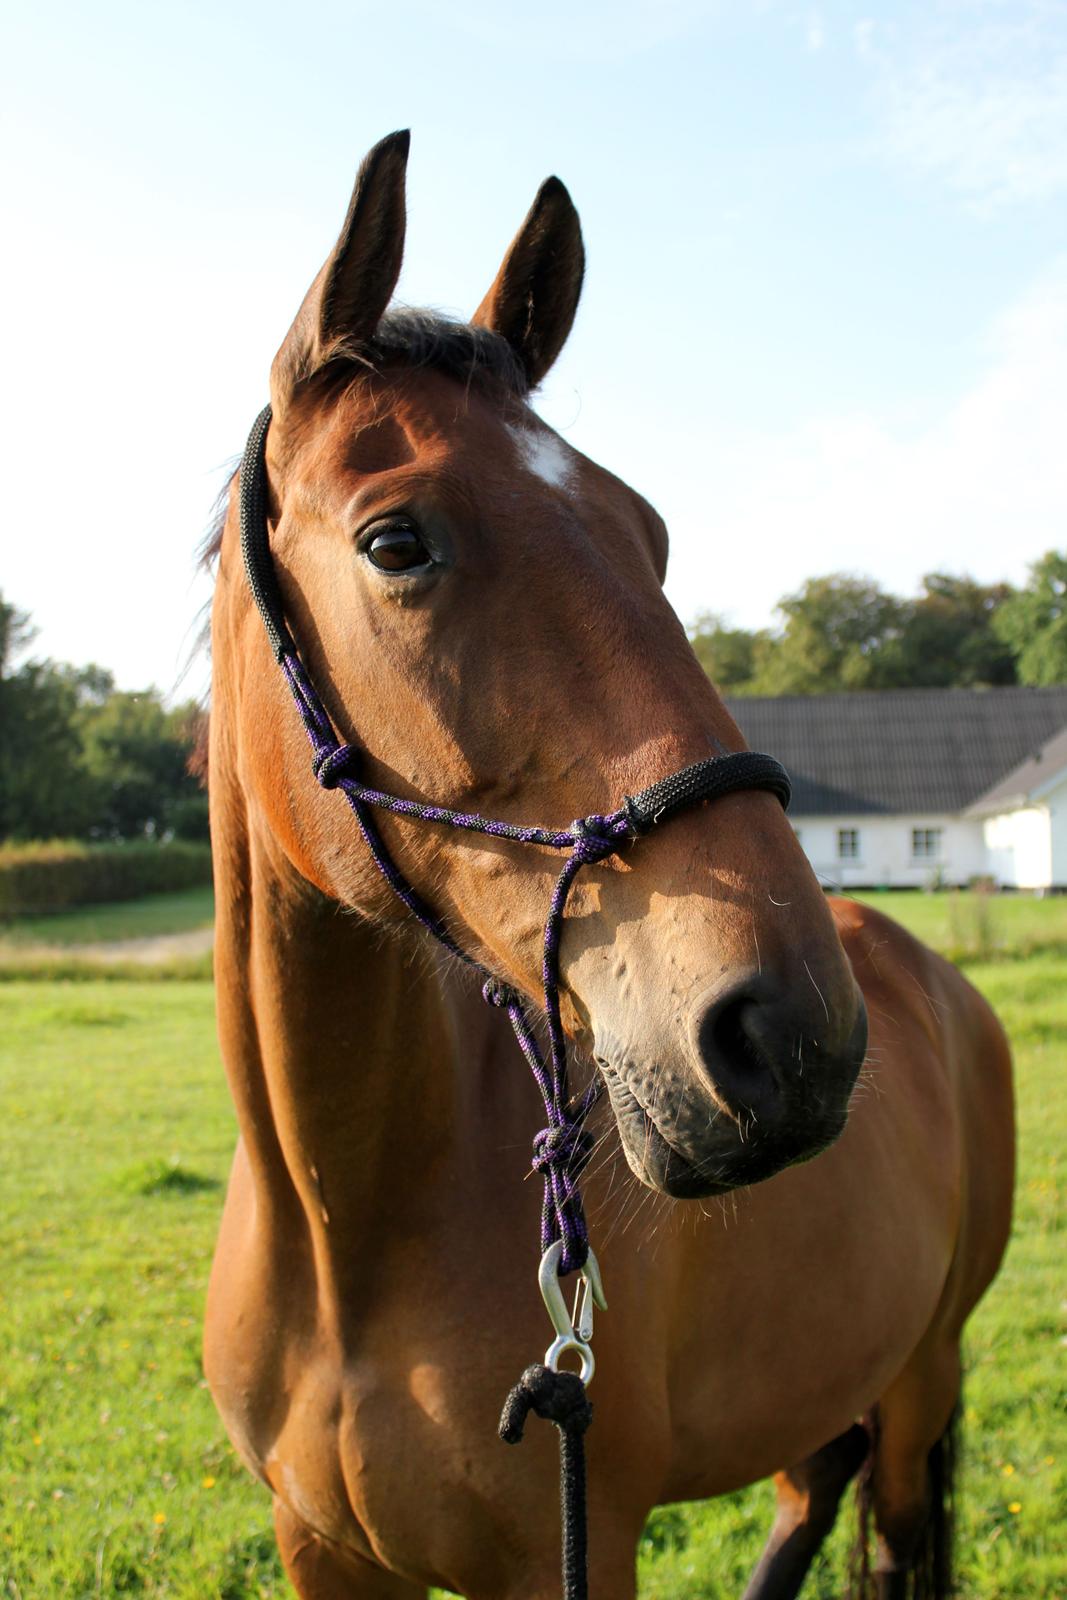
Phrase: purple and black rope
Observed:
(561, 1148)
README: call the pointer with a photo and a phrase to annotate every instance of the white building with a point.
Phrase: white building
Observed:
(1024, 820)
(910, 788)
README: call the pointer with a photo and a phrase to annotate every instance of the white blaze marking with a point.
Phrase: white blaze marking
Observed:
(545, 455)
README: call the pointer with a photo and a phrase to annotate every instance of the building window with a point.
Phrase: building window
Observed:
(926, 844)
(848, 844)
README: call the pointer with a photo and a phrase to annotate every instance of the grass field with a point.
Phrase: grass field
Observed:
(115, 1475)
(971, 927)
(156, 914)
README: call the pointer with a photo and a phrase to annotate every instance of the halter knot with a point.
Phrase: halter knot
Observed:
(567, 1146)
(329, 765)
(596, 838)
(497, 993)
(559, 1397)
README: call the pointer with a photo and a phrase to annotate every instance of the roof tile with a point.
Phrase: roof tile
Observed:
(888, 751)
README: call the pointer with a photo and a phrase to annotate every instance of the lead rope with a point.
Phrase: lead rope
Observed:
(562, 1148)
(559, 1397)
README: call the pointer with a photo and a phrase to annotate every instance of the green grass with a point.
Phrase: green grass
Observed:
(965, 925)
(115, 1475)
(155, 914)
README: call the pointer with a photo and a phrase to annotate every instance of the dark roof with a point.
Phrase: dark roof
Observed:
(888, 751)
(1021, 782)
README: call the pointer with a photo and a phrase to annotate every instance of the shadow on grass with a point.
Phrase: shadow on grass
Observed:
(157, 1176)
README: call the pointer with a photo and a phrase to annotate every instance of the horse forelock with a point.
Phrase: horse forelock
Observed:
(412, 337)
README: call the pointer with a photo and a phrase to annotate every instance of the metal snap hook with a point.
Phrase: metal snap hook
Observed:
(590, 1293)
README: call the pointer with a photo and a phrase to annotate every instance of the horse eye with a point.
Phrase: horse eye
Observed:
(397, 548)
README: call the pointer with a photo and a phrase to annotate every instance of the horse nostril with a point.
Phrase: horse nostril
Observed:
(727, 1041)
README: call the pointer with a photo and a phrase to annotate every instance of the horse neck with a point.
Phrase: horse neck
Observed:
(342, 1056)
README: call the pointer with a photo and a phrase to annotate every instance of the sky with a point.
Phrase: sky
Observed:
(824, 325)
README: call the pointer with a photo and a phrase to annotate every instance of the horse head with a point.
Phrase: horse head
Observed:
(481, 607)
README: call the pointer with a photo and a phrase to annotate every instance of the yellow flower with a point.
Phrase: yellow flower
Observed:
(1050, 1461)
(160, 1518)
(37, 1438)
(1007, 1469)
(1015, 1507)
(207, 1483)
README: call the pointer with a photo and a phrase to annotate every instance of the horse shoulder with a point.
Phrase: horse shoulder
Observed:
(932, 1026)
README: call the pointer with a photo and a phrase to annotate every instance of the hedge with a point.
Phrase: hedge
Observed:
(57, 874)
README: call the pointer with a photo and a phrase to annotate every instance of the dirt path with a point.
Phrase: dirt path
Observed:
(151, 950)
(156, 947)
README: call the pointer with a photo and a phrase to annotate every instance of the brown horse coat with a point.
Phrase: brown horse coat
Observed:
(374, 1293)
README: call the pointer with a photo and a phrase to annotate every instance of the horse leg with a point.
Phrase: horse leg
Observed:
(808, 1498)
(318, 1569)
(912, 1481)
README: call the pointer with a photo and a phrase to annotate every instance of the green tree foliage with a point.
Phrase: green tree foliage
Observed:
(842, 632)
(1033, 623)
(135, 755)
(80, 759)
(837, 633)
(16, 634)
(950, 639)
(728, 655)
(43, 791)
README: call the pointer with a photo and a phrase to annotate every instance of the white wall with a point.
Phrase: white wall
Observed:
(885, 845)
(1019, 848)
(1056, 800)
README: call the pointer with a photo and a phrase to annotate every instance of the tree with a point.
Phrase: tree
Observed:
(948, 638)
(40, 792)
(729, 656)
(44, 792)
(136, 755)
(81, 759)
(836, 633)
(842, 632)
(1033, 622)
(16, 633)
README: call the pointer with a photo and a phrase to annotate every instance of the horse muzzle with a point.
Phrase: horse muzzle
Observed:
(757, 1088)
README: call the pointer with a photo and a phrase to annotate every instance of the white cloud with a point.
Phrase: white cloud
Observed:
(982, 488)
(975, 94)
(863, 36)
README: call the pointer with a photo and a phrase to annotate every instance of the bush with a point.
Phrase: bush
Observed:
(59, 873)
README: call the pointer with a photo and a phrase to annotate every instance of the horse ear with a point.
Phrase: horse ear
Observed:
(347, 299)
(535, 293)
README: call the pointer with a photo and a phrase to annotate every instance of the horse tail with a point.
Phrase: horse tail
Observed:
(860, 1576)
(932, 1573)
(934, 1558)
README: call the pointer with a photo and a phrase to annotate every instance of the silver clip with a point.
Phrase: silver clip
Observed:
(590, 1292)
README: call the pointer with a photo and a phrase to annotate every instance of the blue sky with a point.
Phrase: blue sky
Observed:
(825, 317)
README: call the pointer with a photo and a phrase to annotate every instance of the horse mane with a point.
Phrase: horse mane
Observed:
(413, 336)
(408, 336)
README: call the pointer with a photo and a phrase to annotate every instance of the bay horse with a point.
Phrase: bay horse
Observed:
(481, 608)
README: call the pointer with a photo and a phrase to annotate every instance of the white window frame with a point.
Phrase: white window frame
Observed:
(848, 844)
(929, 837)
